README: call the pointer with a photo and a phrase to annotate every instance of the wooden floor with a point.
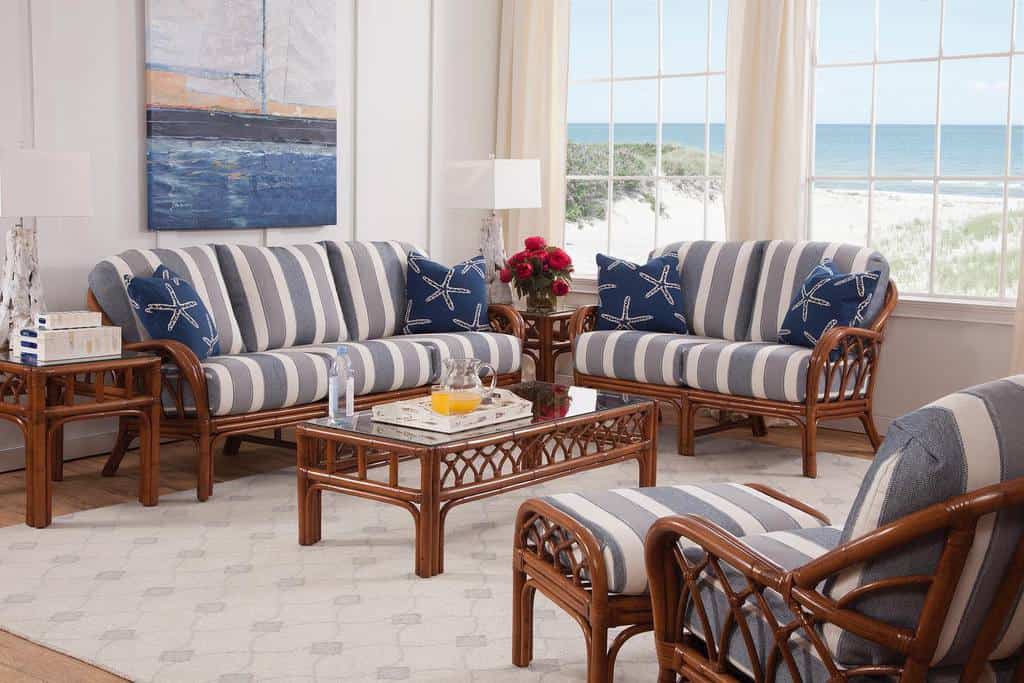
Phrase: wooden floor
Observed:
(83, 489)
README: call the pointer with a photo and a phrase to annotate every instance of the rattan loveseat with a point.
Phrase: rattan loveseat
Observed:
(279, 313)
(735, 297)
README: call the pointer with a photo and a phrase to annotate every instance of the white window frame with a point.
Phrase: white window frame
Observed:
(1006, 179)
(660, 76)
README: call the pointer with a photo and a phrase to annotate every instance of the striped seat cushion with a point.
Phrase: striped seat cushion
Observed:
(619, 520)
(266, 380)
(958, 444)
(282, 296)
(500, 350)
(649, 357)
(718, 280)
(370, 279)
(753, 369)
(789, 549)
(787, 264)
(198, 265)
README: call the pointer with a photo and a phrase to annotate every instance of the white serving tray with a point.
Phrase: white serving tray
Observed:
(417, 413)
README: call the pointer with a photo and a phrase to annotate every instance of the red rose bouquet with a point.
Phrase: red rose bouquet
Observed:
(539, 272)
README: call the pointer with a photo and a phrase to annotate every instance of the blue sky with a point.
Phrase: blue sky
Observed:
(974, 91)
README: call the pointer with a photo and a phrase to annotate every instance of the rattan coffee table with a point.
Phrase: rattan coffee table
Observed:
(573, 429)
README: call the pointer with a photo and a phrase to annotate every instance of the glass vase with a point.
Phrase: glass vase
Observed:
(541, 301)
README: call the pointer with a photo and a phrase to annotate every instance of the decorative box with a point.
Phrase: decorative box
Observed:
(417, 413)
(63, 320)
(57, 346)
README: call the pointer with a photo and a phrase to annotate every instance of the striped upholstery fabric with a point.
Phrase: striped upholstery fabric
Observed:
(620, 519)
(282, 296)
(754, 369)
(718, 280)
(787, 264)
(789, 549)
(649, 357)
(249, 382)
(500, 350)
(370, 279)
(956, 445)
(198, 265)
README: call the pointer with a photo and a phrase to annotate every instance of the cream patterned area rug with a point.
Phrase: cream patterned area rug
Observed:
(221, 591)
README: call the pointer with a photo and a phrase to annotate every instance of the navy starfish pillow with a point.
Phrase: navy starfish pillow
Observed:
(646, 297)
(443, 299)
(828, 298)
(168, 307)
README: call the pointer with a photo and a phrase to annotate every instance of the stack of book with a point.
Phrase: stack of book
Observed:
(67, 336)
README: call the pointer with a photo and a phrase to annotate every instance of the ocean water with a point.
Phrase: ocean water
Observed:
(844, 149)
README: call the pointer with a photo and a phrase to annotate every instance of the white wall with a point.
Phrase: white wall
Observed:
(416, 86)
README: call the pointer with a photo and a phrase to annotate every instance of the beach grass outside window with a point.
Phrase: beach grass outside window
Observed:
(918, 147)
(646, 119)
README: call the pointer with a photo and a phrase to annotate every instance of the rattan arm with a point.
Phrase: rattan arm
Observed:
(505, 318)
(189, 369)
(583, 320)
(793, 502)
(843, 365)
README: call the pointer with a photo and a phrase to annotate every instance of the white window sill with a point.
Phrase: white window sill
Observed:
(923, 308)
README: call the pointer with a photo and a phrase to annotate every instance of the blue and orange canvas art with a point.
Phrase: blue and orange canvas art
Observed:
(240, 113)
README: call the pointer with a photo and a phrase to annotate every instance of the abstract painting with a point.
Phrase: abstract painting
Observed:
(240, 113)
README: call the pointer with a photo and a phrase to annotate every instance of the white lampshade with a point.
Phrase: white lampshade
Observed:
(35, 183)
(494, 184)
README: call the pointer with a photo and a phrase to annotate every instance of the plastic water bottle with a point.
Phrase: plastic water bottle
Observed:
(341, 386)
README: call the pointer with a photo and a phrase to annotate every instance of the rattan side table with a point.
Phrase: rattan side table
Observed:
(40, 399)
(547, 338)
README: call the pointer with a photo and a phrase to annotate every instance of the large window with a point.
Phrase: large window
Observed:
(916, 146)
(646, 115)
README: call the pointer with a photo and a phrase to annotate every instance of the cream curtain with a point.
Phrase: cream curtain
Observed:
(532, 86)
(768, 67)
(1017, 364)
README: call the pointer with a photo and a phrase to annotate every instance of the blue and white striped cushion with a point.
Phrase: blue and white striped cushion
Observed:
(198, 265)
(718, 280)
(266, 380)
(649, 357)
(620, 519)
(790, 550)
(503, 351)
(777, 372)
(370, 279)
(958, 444)
(282, 296)
(787, 264)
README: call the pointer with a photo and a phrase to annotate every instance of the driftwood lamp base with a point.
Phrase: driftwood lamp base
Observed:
(22, 294)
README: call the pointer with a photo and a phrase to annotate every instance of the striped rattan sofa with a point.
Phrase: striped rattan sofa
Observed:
(735, 297)
(279, 313)
(924, 581)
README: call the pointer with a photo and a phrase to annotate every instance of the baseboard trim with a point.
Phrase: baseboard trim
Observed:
(81, 446)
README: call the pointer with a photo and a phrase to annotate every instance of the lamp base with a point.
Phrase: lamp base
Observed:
(492, 246)
(21, 299)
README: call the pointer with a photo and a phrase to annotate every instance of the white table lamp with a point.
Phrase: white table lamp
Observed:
(494, 184)
(35, 184)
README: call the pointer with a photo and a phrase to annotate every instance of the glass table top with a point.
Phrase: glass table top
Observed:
(551, 402)
(124, 355)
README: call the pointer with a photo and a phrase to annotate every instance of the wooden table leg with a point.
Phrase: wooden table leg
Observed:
(149, 435)
(429, 526)
(56, 446)
(38, 488)
(545, 369)
(310, 500)
(649, 460)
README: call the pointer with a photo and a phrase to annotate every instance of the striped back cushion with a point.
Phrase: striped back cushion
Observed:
(958, 444)
(282, 296)
(198, 265)
(370, 279)
(786, 266)
(718, 280)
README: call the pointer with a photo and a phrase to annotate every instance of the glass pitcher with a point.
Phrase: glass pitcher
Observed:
(461, 389)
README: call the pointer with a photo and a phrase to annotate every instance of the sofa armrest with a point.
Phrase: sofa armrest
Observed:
(843, 365)
(793, 502)
(505, 318)
(189, 368)
(583, 320)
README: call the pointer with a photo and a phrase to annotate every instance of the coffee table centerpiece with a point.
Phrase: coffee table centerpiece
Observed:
(358, 456)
